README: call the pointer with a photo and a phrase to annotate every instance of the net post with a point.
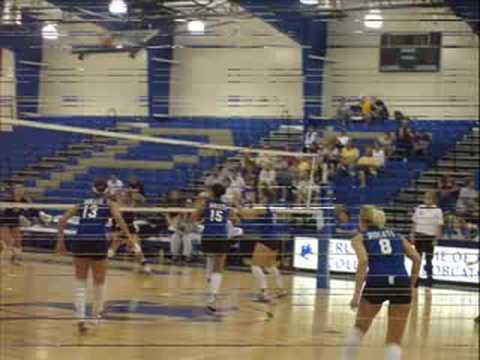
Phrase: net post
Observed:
(324, 235)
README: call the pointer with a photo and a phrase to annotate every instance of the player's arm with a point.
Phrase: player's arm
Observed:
(362, 257)
(62, 223)
(199, 211)
(117, 216)
(413, 255)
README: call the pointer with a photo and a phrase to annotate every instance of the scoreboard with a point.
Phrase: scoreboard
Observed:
(401, 52)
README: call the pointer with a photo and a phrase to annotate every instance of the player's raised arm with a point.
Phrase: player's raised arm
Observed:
(362, 257)
(62, 223)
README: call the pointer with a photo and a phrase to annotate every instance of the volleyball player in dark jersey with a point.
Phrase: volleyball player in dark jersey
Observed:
(90, 247)
(266, 248)
(125, 198)
(10, 234)
(214, 215)
(381, 268)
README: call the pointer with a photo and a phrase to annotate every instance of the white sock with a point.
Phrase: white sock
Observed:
(80, 298)
(277, 277)
(214, 285)
(209, 267)
(352, 345)
(137, 250)
(259, 276)
(99, 295)
(393, 352)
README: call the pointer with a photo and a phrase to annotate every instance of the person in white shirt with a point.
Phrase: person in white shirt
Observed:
(427, 229)
(343, 139)
(379, 154)
(114, 185)
(310, 139)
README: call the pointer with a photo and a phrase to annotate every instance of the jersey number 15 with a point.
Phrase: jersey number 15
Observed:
(216, 216)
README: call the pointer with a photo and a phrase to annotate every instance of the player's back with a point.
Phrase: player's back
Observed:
(216, 215)
(386, 256)
(94, 216)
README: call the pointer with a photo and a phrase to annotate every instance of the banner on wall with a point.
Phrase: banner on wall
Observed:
(449, 263)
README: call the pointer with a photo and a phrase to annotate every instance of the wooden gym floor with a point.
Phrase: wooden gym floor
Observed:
(161, 316)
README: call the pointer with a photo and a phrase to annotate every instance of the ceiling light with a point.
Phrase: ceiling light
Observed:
(196, 26)
(118, 7)
(309, 2)
(50, 32)
(373, 20)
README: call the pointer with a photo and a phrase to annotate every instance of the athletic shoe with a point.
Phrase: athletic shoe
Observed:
(264, 297)
(146, 268)
(15, 260)
(82, 327)
(281, 293)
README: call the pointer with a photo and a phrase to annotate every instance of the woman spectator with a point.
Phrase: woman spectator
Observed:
(467, 203)
(367, 109)
(378, 152)
(381, 112)
(348, 159)
(367, 165)
(448, 192)
(387, 141)
(421, 143)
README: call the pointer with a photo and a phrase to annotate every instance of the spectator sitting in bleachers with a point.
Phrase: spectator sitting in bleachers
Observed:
(114, 185)
(310, 139)
(387, 141)
(404, 139)
(301, 185)
(379, 153)
(237, 184)
(447, 193)
(421, 143)
(458, 228)
(367, 165)
(267, 178)
(285, 177)
(398, 116)
(342, 139)
(367, 110)
(344, 113)
(348, 159)
(380, 111)
(467, 202)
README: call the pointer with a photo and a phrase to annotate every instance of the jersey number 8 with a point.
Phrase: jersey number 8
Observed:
(385, 246)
